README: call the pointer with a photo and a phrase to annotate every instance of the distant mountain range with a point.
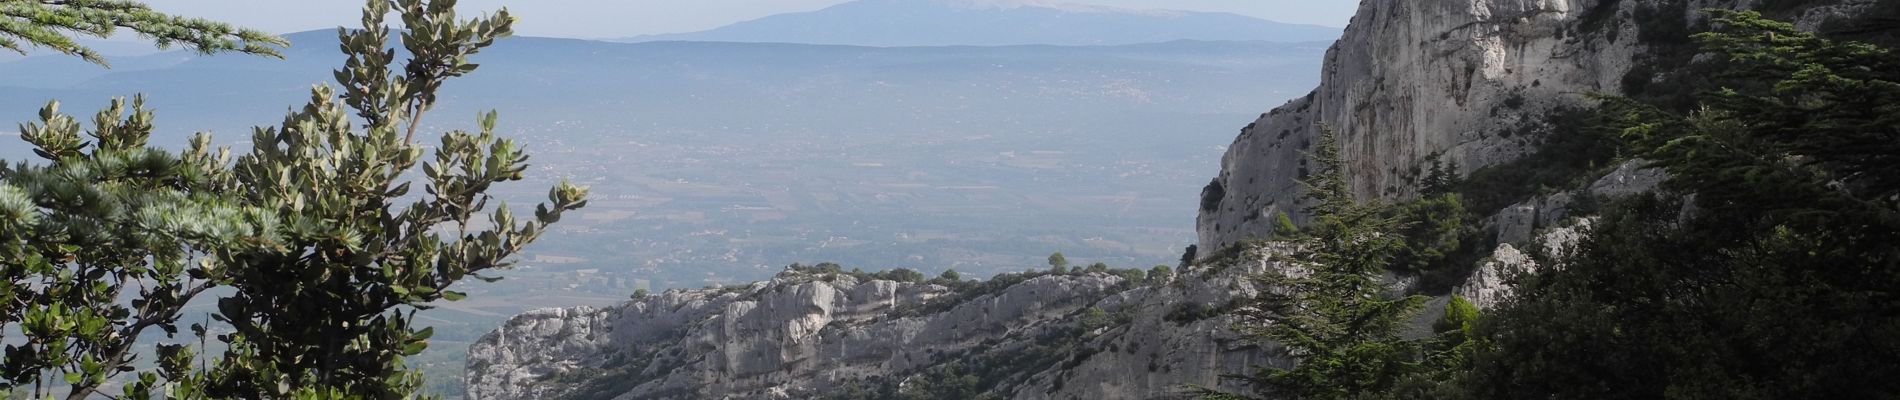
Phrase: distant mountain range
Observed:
(688, 83)
(890, 23)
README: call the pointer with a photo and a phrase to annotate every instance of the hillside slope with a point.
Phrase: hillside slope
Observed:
(1488, 85)
(810, 334)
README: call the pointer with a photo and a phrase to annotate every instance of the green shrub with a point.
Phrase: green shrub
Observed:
(1093, 319)
(1161, 273)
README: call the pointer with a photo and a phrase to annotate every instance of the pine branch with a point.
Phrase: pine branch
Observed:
(54, 25)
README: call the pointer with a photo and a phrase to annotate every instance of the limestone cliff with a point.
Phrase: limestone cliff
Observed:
(1470, 82)
(809, 334)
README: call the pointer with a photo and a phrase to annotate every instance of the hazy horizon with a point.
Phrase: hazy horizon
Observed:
(591, 19)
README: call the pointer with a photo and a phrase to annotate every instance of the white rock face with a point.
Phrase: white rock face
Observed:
(1470, 81)
(1517, 223)
(1489, 284)
(1462, 80)
(1628, 179)
(803, 335)
(520, 353)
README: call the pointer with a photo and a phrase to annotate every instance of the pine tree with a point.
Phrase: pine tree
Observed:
(109, 220)
(1331, 311)
(53, 24)
(1452, 176)
(1807, 125)
(1058, 263)
(327, 270)
(1443, 367)
(1440, 176)
(1326, 186)
(1766, 268)
(1436, 227)
(101, 222)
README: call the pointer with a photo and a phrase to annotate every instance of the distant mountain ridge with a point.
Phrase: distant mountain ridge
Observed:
(898, 23)
(209, 88)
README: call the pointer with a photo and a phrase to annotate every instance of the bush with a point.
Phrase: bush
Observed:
(904, 275)
(1460, 315)
(1161, 273)
(1093, 319)
(1436, 228)
(1283, 227)
(1131, 275)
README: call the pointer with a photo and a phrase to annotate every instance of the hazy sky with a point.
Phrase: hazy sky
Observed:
(623, 18)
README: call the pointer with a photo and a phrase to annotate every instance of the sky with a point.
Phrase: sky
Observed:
(595, 19)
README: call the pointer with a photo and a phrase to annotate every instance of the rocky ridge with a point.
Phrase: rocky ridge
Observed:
(1409, 81)
(1471, 82)
(809, 334)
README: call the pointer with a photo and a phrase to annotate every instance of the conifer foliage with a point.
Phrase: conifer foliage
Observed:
(53, 24)
(316, 233)
(1331, 311)
(103, 221)
(1765, 271)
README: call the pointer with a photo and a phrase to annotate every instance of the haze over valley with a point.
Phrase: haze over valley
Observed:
(718, 163)
(950, 199)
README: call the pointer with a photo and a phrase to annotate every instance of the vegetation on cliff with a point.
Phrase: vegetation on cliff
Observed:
(1332, 309)
(1764, 267)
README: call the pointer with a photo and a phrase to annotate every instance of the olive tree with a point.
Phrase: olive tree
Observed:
(333, 306)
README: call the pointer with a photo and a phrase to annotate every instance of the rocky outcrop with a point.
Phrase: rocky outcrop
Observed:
(1489, 284)
(1469, 82)
(1517, 223)
(1561, 231)
(1473, 82)
(1459, 80)
(806, 335)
